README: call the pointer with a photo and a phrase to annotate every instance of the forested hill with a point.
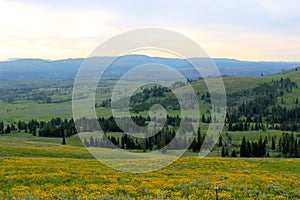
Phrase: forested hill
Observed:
(265, 109)
(67, 68)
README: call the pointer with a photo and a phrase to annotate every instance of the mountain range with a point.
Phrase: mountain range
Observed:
(67, 68)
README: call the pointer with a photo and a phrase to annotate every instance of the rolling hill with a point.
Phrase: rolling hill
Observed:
(67, 68)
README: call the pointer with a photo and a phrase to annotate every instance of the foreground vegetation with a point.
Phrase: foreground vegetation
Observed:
(35, 165)
(187, 178)
(41, 168)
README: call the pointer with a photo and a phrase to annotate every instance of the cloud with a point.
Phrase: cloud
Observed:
(28, 31)
(251, 30)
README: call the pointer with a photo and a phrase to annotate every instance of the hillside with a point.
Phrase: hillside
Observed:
(53, 97)
(67, 68)
(43, 100)
(35, 164)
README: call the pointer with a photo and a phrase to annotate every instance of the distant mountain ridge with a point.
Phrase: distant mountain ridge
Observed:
(67, 68)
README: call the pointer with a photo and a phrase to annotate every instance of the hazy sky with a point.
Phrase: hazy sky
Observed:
(246, 30)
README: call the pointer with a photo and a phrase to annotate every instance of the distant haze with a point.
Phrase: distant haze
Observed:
(67, 68)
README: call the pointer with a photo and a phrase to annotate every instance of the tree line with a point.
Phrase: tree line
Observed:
(259, 109)
(287, 145)
(164, 140)
(176, 133)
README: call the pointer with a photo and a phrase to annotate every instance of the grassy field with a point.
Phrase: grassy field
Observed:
(26, 110)
(23, 109)
(41, 168)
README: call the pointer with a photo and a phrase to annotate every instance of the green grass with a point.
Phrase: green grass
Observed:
(26, 110)
(26, 145)
(41, 168)
(255, 135)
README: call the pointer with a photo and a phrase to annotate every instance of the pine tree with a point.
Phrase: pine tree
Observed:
(220, 141)
(7, 130)
(226, 152)
(298, 149)
(273, 147)
(208, 119)
(1, 127)
(86, 144)
(194, 145)
(34, 131)
(230, 126)
(233, 154)
(63, 140)
(244, 150)
(92, 141)
(260, 147)
(223, 152)
(203, 119)
(199, 139)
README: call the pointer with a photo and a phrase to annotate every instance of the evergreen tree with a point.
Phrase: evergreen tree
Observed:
(7, 130)
(86, 144)
(260, 147)
(220, 141)
(244, 149)
(194, 146)
(273, 147)
(203, 119)
(233, 154)
(199, 139)
(230, 126)
(1, 127)
(63, 140)
(34, 131)
(226, 152)
(92, 141)
(223, 152)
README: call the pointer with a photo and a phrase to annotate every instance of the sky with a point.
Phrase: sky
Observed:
(258, 30)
